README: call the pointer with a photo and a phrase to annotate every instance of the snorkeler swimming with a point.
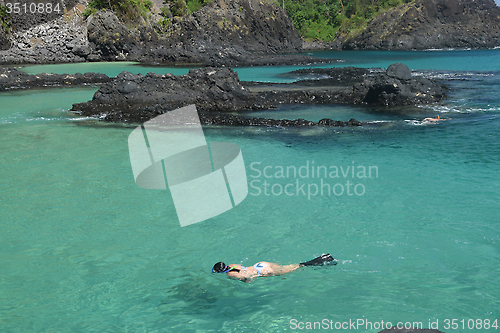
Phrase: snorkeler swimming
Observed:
(262, 268)
(434, 120)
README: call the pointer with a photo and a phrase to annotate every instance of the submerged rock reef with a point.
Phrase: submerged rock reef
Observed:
(217, 91)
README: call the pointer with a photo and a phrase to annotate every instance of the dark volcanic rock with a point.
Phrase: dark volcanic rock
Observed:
(219, 118)
(109, 38)
(230, 33)
(332, 76)
(4, 40)
(51, 42)
(28, 18)
(426, 24)
(138, 98)
(357, 86)
(399, 71)
(11, 78)
(390, 91)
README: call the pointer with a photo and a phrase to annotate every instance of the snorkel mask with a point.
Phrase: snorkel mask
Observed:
(221, 267)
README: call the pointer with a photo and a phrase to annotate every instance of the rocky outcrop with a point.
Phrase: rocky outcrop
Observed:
(110, 40)
(4, 40)
(230, 33)
(398, 87)
(138, 98)
(358, 86)
(428, 24)
(234, 31)
(11, 78)
(239, 32)
(219, 118)
(60, 40)
(30, 17)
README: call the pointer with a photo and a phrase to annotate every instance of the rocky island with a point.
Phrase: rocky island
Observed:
(218, 91)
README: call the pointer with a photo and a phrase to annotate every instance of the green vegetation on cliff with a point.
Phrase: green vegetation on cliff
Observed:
(313, 19)
(183, 7)
(177, 8)
(322, 19)
(129, 9)
(4, 18)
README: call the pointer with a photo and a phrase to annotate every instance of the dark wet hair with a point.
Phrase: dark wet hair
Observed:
(219, 267)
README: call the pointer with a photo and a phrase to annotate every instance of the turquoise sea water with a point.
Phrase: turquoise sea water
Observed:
(83, 249)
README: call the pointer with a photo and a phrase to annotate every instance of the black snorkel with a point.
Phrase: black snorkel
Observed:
(221, 267)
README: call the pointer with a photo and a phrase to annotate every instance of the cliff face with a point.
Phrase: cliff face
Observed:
(426, 24)
(225, 33)
(241, 26)
(4, 40)
(228, 30)
(236, 32)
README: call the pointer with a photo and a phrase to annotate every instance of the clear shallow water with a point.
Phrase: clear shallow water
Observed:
(472, 60)
(444, 60)
(83, 249)
(464, 60)
(108, 68)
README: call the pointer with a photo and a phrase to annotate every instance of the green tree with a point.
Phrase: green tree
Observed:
(321, 19)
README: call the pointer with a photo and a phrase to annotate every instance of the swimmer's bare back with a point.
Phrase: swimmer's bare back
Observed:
(262, 268)
(434, 120)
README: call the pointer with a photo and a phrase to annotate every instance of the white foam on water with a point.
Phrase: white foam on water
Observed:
(83, 118)
(446, 75)
(379, 121)
(414, 122)
(461, 109)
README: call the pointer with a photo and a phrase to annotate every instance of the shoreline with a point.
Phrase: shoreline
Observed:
(285, 62)
(287, 59)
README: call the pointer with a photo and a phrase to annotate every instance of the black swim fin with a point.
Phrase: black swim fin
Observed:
(322, 259)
